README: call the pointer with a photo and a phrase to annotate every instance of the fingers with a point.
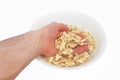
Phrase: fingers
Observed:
(61, 26)
(81, 35)
(80, 49)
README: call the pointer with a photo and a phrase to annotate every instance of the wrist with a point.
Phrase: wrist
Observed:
(29, 45)
(37, 42)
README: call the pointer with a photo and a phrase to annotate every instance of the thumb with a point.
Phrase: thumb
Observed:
(62, 27)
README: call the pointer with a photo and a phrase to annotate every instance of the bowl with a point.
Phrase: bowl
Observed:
(80, 20)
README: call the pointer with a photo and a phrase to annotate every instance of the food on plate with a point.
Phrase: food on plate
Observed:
(75, 47)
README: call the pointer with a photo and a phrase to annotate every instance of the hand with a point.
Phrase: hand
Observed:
(48, 35)
(17, 52)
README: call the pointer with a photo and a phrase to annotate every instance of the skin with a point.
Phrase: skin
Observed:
(81, 49)
(17, 52)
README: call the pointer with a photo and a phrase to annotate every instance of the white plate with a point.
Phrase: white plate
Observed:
(80, 20)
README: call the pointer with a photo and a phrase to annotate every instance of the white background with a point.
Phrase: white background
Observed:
(17, 16)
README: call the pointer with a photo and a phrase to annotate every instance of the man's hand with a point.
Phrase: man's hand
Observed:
(17, 52)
